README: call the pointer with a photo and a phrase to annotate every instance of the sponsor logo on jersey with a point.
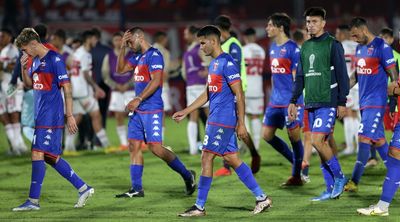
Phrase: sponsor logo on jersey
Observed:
(361, 67)
(275, 66)
(214, 83)
(234, 76)
(36, 82)
(65, 76)
(390, 61)
(158, 66)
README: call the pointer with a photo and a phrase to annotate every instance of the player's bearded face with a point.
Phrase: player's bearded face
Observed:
(358, 34)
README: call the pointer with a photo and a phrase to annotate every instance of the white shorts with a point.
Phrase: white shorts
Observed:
(3, 103)
(353, 100)
(85, 105)
(10, 104)
(165, 97)
(119, 100)
(193, 92)
(255, 105)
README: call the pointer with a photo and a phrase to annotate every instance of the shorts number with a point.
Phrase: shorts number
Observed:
(317, 123)
(360, 128)
(205, 142)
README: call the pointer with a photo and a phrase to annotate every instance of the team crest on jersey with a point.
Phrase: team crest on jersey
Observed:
(282, 52)
(215, 65)
(370, 50)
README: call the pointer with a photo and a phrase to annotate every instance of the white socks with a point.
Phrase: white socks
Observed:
(383, 205)
(69, 141)
(10, 135)
(256, 131)
(349, 133)
(122, 134)
(102, 136)
(18, 137)
(192, 131)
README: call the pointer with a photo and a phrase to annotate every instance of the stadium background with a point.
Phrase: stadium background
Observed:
(109, 173)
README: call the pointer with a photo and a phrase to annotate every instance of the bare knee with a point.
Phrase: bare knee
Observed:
(318, 140)
(268, 133)
(294, 134)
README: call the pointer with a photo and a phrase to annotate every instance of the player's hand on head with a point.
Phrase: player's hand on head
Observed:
(341, 112)
(125, 38)
(179, 116)
(292, 112)
(71, 125)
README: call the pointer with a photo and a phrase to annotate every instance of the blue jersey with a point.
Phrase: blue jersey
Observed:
(48, 75)
(283, 60)
(222, 73)
(371, 62)
(144, 66)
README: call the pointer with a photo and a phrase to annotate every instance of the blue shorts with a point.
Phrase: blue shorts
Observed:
(395, 142)
(277, 117)
(146, 126)
(322, 120)
(220, 140)
(371, 124)
(48, 141)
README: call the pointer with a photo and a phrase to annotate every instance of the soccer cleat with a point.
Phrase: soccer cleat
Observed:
(27, 206)
(191, 184)
(131, 193)
(322, 197)
(371, 162)
(111, 149)
(262, 205)
(373, 210)
(347, 152)
(255, 164)
(351, 187)
(293, 181)
(71, 153)
(338, 187)
(193, 211)
(84, 196)
(305, 178)
(222, 172)
(123, 147)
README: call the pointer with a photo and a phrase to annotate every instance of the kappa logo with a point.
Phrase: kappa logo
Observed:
(218, 137)
(156, 134)
(378, 114)
(220, 130)
(275, 66)
(46, 143)
(57, 59)
(156, 122)
(331, 114)
(230, 64)
(155, 54)
(155, 116)
(376, 120)
(215, 143)
(374, 125)
(49, 131)
(156, 128)
(48, 137)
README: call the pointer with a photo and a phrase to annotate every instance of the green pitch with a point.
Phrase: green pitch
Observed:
(228, 200)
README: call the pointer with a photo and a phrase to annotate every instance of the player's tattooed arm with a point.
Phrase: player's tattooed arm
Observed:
(392, 72)
(99, 93)
(240, 109)
(24, 70)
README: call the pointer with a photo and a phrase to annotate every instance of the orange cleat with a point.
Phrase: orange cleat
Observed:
(222, 172)
(123, 147)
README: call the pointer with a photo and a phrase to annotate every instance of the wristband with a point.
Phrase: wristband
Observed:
(139, 98)
(67, 116)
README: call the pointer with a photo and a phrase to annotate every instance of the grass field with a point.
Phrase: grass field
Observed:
(229, 200)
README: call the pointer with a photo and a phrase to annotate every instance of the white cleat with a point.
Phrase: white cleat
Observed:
(262, 205)
(84, 196)
(373, 210)
(27, 206)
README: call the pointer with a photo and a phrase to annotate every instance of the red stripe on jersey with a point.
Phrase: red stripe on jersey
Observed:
(235, 81)
(49, 127)
(42, 81)
(367, 66)
(214, 83)
(280, 65)
(219, 124)
(254, 66)
(142, 73)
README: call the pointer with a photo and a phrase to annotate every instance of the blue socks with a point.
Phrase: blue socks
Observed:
(362, 159)
(392, 180)
(334, 166)
(383, 152)
(246, 176)
(65, 170)
(178, 167)
(204, 187)
(38, 172)
(328, 177)
(279, 145)
(136, 177)
(298, 153)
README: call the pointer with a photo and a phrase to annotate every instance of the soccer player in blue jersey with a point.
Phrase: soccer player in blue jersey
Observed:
(46, 76)
(322, 73)
(374, 62)
(145, 125)
(226, 117)
(284, 56)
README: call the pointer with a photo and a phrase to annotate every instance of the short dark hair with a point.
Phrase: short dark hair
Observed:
(193, 29)
(86, 35)
(281, 19)
(61, 34)
(136, 30)
(120, 34)
(209, 30)
(7, 31)
(27, 35)
(96, 32)
(249, 31)
(223, 22)
(298, 35)
(315, 11)
(41, 30)
(387, 31)
(358, 22)
(159, 35)
(344, 27)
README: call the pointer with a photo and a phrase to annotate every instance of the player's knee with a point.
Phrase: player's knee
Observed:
(156, 149)
(294, 135)
(267, 134)
(50, 159)
(133, 146)
(317, 140)
(362, 139)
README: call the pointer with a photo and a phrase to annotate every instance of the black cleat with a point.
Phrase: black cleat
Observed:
(191, 184)
(131, 193)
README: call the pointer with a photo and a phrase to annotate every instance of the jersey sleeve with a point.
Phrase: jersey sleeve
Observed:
(387, 58)
(231, 72)
(236, 52)
(295, 58)
(156, 62)
(60, 71)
